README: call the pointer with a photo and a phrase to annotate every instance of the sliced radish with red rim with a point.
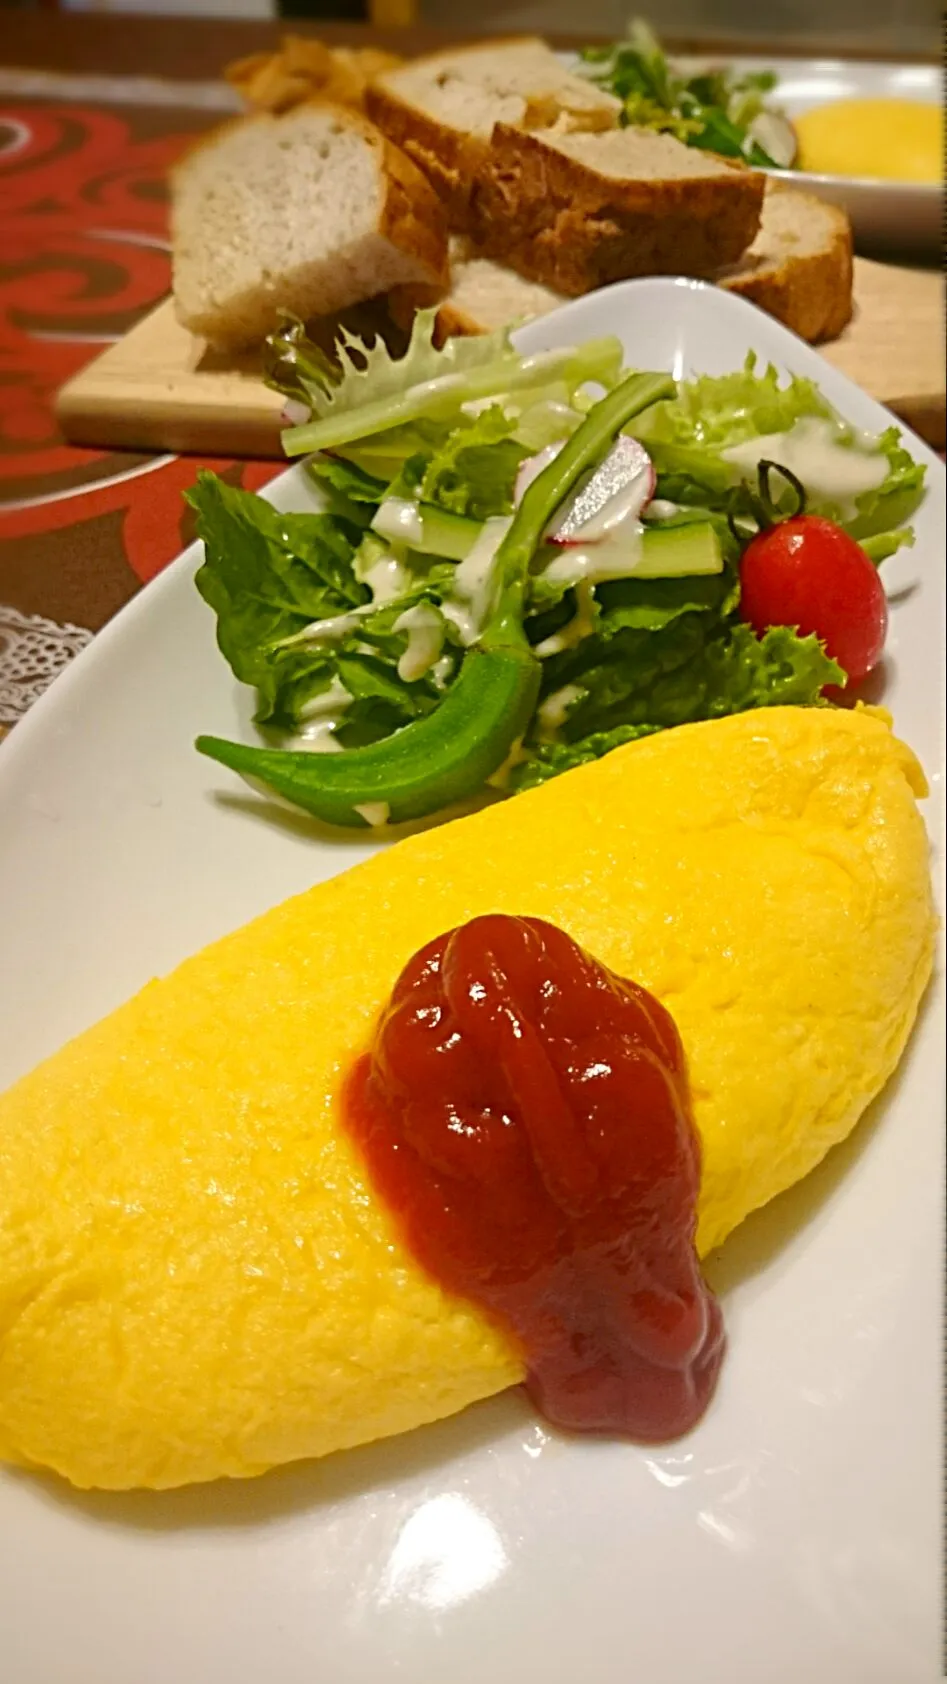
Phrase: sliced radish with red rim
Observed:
(617, 492)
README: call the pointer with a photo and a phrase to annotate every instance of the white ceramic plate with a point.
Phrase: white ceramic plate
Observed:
(887, 216)
(892, 217)
(794, 1535)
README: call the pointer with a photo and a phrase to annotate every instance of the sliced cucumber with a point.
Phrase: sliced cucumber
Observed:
(670, 552)
(426, 528)
(643, 552)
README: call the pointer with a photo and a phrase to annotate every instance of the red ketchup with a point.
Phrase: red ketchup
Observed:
(525, 1113)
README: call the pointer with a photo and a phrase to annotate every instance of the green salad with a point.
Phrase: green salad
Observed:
(717, 109)
(520, 562)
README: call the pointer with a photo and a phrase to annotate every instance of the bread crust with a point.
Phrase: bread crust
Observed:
(411, 219)
(809, 292)
(449, 157)
(558, 221)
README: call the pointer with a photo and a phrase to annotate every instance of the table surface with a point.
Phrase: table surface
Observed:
(93, 111)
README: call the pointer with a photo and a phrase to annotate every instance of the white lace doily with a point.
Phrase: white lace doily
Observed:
(33, 652)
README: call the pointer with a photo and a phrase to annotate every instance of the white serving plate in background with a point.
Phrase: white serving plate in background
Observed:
(902, 217)
(794, 1535)
(892, 218)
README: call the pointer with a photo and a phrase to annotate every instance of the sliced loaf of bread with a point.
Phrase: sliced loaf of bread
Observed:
(442, 108)
(310, 211)
(576, 211)
(799, 269)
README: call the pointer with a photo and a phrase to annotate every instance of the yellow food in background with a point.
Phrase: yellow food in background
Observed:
(891, 139)
(195, 1278)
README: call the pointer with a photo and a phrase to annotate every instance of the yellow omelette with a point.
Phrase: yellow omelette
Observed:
(196, 1278)
(888, 139)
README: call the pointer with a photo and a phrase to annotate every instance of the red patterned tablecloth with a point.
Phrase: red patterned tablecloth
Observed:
(83, 254)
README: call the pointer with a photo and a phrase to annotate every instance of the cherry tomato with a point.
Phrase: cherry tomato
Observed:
(807, 573)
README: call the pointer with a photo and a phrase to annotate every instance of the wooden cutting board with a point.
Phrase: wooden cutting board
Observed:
(160, 388)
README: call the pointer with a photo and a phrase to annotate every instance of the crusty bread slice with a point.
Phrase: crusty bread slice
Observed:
(441, 109)
(309, 212)
(799, 269)
(483, 296)
(576, 211)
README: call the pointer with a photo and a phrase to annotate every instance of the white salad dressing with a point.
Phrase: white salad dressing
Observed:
(441, 670)
(403, 520)
(581, 625)
(554, 710)
(386, 578)
(425, 631)
(471, 600)
(375, 813)
(617, 557)
(501, 777)
(829, 462)
(532, 466)
(331, 630)
(318, 721)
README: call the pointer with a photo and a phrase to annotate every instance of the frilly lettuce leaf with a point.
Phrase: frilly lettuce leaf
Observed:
(640, 680)
(369, 391)
(368, 373)
(884, 544)
(474, 472)
(547, 760)
(686, 436)
(715, 411)
(882, 512)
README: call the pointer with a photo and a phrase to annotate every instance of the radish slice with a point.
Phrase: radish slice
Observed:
(532, 466)
(295, 413)
(617, 492)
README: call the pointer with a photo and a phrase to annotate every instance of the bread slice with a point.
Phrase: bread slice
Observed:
(483, 296)
(576, 211)
(310, 212)
(799, 269)
(441, 108)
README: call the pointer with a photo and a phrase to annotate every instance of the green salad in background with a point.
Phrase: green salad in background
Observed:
(717, 109)
(461, 611)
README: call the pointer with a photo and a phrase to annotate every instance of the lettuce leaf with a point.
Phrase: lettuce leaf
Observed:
(885, 510)
(686, 672)
(269, 576)
(713, 109)
(474, 471)
(714, 411)
(348, 481)
(884, 544)
(547, 760)
(373, 392)
(687, 435)
(636, 683)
